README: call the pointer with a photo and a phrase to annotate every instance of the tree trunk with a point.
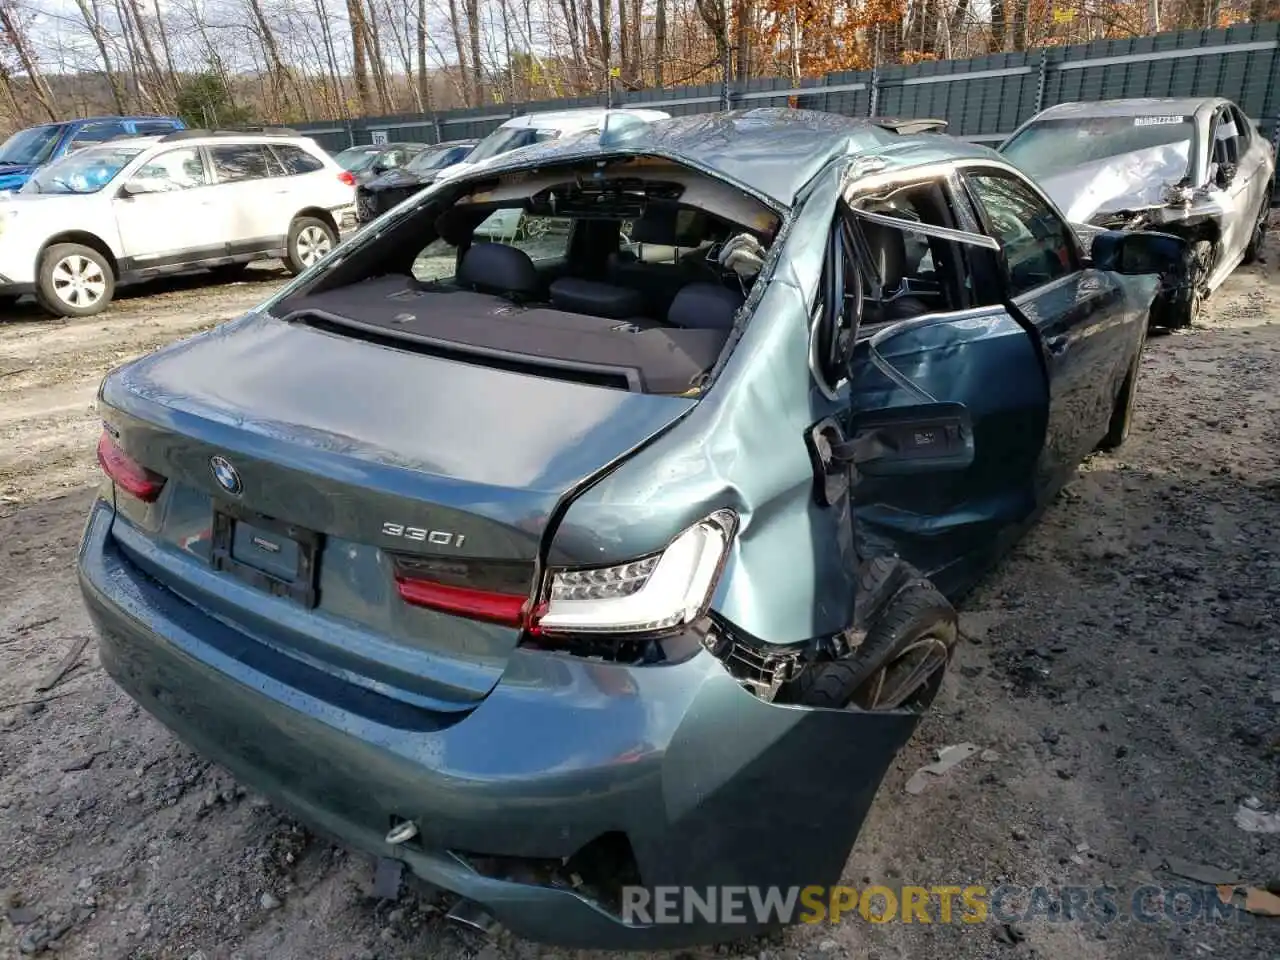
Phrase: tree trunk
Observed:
(606, 40)
(424, 81)
(373, 36)
(473, 29)
(745, 12)
(998, 26)
(359, 53)
(17, 40)
(464, 74)
(92, 22)
(659, 42)
(624, 41)
(1020, 12)
(164, 46)
(570, 10)
(281, 77)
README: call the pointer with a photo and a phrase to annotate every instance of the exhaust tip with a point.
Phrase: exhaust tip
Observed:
(470, 914)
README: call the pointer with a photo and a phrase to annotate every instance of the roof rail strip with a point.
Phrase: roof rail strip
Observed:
(248, 131)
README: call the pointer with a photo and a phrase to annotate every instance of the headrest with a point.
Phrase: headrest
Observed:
(667, 224)
(596, 299)
(888, 253)
(704, 306)
(498, 268)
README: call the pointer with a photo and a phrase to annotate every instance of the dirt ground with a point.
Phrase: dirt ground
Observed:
(1119, 672)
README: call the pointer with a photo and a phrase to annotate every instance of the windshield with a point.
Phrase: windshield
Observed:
(32, 146)
(1051, 147)
(356, 159)
(429, 160)
(86, 171)
(506, 139)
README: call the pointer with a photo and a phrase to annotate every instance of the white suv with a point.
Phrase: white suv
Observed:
(136, 209)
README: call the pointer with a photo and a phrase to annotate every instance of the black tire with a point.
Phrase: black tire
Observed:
(1258, 239)
(74, 281)
(305, 245)
(1122, 412)
(1184, 309)
(911, 640)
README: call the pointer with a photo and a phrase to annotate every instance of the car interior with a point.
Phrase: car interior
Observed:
(915, 274)
(624, 282)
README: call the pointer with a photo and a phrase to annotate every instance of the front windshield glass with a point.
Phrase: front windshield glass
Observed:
(356, 159)
(429, 160)
(29, 147)
(86, 171)
(506, 139)
(1056, 146)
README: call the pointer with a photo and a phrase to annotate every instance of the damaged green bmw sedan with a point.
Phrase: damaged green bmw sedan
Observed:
(592, 522)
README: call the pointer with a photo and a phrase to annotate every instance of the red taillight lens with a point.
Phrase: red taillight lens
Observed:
(130, 476)
(504, 608)
(347, 177)
(495, 591)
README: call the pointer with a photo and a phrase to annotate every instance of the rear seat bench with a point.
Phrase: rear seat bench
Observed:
(493, 306)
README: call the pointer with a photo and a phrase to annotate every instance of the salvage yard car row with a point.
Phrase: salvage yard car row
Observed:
(1197, 168)
(663, 606)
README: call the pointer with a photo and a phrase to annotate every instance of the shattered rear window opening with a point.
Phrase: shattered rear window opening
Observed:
(628, 273)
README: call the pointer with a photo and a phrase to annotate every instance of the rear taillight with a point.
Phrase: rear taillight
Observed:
(503, 608)
(126, 473)
(494, 591)
(347, 177)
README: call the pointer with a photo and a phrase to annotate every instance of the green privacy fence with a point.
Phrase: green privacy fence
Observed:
(982, 99)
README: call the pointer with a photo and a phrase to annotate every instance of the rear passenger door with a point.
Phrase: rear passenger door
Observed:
(254, 198)
(1080, 317)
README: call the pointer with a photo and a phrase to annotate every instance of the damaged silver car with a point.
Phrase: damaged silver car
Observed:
(1195, 167)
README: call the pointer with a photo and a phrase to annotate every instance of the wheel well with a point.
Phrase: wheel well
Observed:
(1208, 229)
(85, 240)
(318, 213)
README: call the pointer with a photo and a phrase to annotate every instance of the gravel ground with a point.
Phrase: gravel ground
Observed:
(1119, 672)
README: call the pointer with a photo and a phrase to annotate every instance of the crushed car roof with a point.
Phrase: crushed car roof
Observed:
(773, 152)
(1135, 107)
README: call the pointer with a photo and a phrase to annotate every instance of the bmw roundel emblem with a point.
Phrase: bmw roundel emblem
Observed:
(226, 475)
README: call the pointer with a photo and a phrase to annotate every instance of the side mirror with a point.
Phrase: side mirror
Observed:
(134, 188)
(921, 438)
(1138, 253)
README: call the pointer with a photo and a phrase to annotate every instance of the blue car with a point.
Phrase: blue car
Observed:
(617, 556)
(28, 150)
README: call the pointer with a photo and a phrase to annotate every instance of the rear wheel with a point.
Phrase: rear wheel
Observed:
(74, 281)
(899, 664)
(1258, 239)
(310, 239)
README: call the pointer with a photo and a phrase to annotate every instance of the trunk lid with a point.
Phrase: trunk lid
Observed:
(381, 453)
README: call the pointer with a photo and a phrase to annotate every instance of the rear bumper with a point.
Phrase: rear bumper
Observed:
(710, 785)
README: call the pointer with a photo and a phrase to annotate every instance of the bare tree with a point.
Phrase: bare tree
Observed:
(16, 38)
